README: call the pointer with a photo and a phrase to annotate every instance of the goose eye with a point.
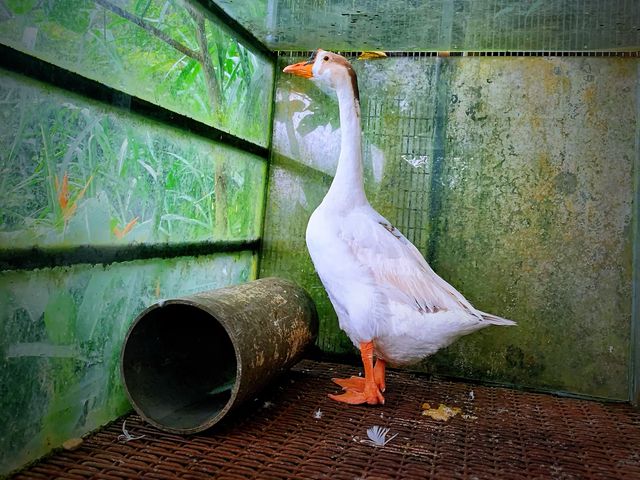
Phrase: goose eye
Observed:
(326, 58)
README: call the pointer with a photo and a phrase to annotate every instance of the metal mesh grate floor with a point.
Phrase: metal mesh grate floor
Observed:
(293, 431)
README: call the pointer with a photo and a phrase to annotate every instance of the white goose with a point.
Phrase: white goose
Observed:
(389, 301)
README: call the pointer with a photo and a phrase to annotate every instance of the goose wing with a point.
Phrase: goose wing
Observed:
(397, 267)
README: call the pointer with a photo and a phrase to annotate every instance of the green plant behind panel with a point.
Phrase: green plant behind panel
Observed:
(78, 173)
(171, 53)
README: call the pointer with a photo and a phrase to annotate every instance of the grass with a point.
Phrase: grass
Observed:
(75, 172)
(226, 85)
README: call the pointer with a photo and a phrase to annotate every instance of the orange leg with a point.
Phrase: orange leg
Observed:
(357, 383)
(358, 390)
(379, 372)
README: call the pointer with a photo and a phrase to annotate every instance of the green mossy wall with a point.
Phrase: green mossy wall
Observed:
(513, 176)
(534, 218)
(61, 331)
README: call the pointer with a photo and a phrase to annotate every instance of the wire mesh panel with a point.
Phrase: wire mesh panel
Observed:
(404, 128)
(407, 25)
(293, 431)
(560, 25)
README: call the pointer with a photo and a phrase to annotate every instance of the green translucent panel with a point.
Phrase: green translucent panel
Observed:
(409, 25)
(171, 53)
(512, 176)
(61, 331)
(76, 172)
(302, 164)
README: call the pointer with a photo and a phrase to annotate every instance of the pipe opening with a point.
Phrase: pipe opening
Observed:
(179, 367)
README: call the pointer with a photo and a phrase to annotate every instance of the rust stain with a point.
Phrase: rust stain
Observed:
(546, 173)
(554, 79)
(589, 94)
(259, 360)
(536, 123)
(298, 336)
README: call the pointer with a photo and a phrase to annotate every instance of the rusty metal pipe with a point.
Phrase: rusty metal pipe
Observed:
(187, 362)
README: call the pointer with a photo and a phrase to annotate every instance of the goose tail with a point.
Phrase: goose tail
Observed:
(495, 320)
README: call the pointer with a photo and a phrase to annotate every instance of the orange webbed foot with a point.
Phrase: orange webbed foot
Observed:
(360, 390)
(351, 397)
(354, 383)
(357, 383)
(369, 394)
(379, 373)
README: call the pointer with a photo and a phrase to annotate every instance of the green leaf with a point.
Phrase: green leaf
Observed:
(141, 6)
(73, 15)
(188, 74)
(20, 7)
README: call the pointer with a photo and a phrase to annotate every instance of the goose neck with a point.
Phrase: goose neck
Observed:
(347, 187)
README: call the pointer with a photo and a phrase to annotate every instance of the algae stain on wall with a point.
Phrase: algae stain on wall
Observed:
(538, 230)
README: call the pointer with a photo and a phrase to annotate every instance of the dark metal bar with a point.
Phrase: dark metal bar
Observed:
(39, 257)
(500, 53)
(239, 31)
(441, 93)
(265, 192)
(25, 64)
(300, 169)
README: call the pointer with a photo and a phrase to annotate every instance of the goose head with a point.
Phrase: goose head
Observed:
(327, 70)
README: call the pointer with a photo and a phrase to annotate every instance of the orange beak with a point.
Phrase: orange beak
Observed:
(301, 69)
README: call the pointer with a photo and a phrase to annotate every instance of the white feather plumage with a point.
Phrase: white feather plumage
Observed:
(380, 285)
